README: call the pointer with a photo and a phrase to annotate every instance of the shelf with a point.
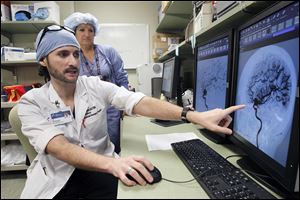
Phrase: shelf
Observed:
(14, 167)
(9, 136)
(8, 104)
(19, 63)
(239, 14)
(236, 16)
(176, 18)
(184, 51)
(13, 27)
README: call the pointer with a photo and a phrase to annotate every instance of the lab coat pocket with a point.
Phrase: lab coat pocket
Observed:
(37, 178)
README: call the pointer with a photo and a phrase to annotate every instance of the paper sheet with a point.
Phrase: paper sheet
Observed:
(163, 141)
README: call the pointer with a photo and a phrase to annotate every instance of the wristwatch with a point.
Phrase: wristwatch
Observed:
(184, 112)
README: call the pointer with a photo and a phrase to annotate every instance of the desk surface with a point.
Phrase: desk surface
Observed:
(133, 142)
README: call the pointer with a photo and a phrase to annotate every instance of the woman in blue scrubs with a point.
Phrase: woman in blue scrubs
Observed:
(99, 60)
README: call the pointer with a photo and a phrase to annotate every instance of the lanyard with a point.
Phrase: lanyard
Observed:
(88, 67)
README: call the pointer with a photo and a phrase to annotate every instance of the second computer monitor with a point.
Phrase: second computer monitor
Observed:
(170, 77)
(213, 74)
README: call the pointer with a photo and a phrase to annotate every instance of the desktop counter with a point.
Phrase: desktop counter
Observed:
(133, 142)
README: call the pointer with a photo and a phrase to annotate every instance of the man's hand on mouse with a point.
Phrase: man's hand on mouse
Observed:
(132, 166)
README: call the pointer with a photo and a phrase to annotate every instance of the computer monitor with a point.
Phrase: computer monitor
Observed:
(171, 80)
(213, 77)
(267, 82)
(170, 88)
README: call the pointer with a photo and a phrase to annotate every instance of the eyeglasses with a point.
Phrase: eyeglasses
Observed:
(53, 28)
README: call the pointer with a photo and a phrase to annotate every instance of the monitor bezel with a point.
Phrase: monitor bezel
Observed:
(175, 80)
(282, 175)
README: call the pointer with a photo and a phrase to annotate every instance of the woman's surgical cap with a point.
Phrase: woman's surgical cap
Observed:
(78, 18)
(53, 40)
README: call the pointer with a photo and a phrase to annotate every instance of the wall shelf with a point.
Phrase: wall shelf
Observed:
(176, 18)
(22, 71)
(184, 51)
(12, 65)
(239, 14)
(13, 27)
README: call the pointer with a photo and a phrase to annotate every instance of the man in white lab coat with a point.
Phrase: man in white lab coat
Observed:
(65, 121)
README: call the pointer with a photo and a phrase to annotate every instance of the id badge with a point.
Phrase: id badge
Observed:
(62, 116)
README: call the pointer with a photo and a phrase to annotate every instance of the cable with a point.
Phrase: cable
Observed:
(236, 155)
(187, 180)
(245, 170)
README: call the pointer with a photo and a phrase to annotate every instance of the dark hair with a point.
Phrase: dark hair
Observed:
(43, 71)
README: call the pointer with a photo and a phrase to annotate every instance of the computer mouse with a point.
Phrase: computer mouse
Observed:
(155, 174)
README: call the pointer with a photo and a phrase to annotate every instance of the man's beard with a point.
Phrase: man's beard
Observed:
(60, 76)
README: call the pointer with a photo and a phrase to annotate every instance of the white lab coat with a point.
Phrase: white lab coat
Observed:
(47, 175)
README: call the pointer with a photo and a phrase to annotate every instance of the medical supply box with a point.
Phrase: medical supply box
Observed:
(47, 11)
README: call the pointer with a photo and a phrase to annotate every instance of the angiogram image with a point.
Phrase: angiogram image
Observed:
(267, 84)
(211, 83)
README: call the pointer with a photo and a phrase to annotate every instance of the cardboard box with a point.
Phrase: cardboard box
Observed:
(47, 11)
(21, 12)
(161, 43)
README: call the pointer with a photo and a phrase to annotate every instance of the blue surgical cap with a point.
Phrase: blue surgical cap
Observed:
(78, 18)
(53, 40)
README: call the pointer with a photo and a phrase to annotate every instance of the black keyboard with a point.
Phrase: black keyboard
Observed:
(217, 176)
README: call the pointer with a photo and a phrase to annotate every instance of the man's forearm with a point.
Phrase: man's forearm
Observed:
(151, 107)
(77, 156)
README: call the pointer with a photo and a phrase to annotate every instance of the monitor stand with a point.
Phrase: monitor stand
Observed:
(217, 138)
(249, 166)
(166, 123)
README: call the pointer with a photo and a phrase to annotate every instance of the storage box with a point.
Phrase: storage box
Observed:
(5, 11)
(21, 12)
(47, 11)
(12, 53)
(204, 18)
(161, 43)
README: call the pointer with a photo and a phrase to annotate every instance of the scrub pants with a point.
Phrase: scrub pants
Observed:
(89, 185)
(113, 127)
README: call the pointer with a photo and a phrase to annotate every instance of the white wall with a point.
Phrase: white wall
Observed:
(140, 12)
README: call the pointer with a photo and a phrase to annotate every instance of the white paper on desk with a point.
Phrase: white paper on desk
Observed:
(163, 141)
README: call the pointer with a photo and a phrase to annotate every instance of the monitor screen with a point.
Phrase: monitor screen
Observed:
(211, 74)
(267, 73)
(213, 61)
(170, 78)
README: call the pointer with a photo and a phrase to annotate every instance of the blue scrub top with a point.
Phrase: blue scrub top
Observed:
(111, 65)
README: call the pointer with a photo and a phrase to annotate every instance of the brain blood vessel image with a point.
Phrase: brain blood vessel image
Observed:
(271, 84)
(267, 85)
(212, 82)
